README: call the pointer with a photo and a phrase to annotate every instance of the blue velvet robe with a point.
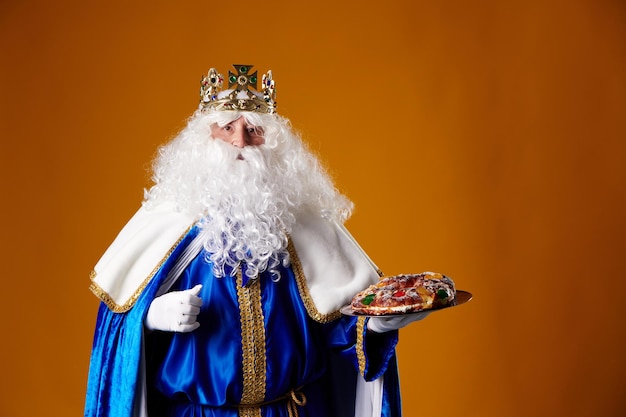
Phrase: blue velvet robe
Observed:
(216, 368)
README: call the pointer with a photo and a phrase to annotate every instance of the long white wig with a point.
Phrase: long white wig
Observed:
(248, 198)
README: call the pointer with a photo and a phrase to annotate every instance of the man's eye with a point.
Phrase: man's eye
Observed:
(227, 127)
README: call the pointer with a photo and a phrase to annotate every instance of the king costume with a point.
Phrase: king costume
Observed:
(265, 347)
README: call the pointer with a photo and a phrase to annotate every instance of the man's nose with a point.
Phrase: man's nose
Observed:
(241, 138)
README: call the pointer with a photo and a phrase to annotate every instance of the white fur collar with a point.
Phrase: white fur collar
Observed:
(334, 266)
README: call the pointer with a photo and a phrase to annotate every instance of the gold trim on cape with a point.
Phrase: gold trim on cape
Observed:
(304, 289)
(108, 300)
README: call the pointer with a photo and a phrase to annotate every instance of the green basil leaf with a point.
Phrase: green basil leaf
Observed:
(367, 300)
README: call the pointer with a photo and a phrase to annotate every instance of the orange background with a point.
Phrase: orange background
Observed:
(482, 139)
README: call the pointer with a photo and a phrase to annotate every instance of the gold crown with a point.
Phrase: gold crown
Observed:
(238, 96)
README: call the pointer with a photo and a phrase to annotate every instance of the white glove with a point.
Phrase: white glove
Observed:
(176, 311)
(387, 324)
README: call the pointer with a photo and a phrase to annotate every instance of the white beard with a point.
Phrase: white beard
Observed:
(248, 206)
(249, 212)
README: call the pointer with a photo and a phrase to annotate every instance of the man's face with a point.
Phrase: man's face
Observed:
(238, 133)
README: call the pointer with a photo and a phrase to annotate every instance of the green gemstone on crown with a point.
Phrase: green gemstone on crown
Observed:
(243, 69)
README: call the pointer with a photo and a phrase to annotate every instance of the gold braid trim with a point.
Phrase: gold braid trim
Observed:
(108, 300)
(303, 289)
(249, 411)
(253, 346)
(360, 344)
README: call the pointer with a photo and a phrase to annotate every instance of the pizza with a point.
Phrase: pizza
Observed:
(406, 293)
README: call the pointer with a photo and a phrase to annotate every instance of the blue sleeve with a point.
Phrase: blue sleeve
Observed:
(373, 355)
(369, 352)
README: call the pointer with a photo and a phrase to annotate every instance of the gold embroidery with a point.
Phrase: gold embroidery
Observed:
(304, 289)
(108, 300)
(253, 346)
(249, 411)
(294, 399)
(360, 344)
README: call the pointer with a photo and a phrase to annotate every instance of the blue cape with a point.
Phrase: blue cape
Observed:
(115, 375)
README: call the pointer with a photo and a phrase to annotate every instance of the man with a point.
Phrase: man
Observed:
(221, 296)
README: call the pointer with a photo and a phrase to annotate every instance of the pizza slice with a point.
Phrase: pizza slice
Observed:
(406, 293)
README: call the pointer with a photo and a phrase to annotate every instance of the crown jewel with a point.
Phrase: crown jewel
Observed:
(239, 95)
